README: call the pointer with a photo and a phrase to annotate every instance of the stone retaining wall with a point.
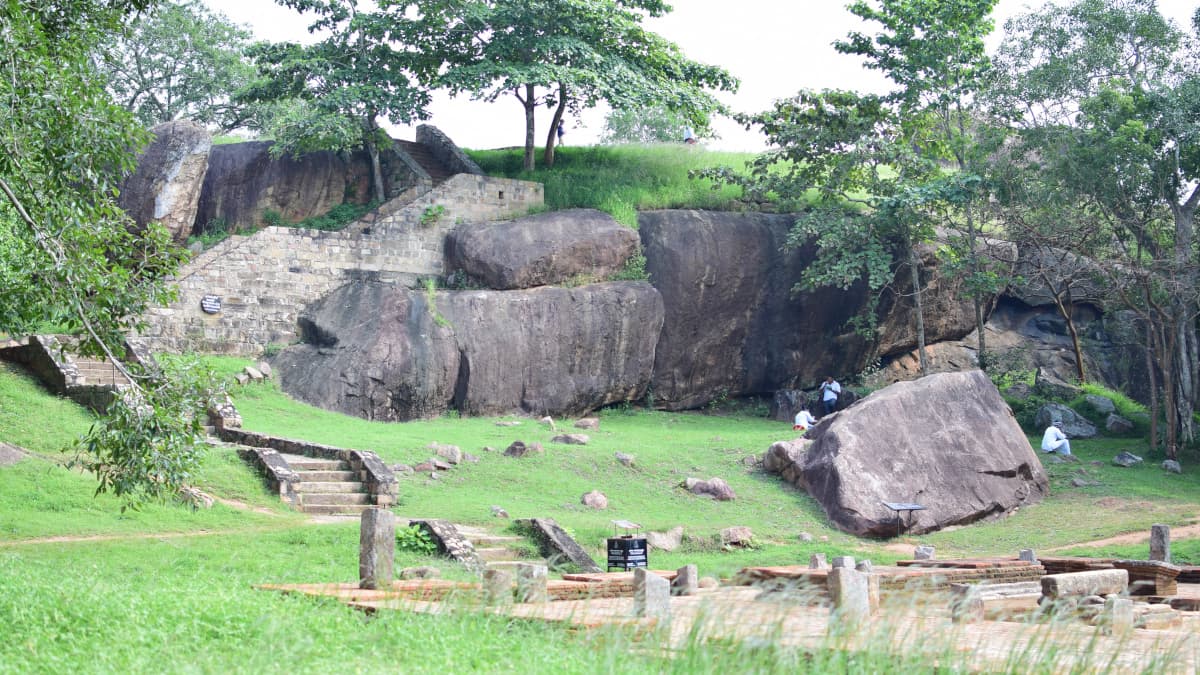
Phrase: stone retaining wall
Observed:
(264, 280)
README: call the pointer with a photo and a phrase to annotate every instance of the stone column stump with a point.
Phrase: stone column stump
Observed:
(531, 583)
(651, 595)
(376, 548)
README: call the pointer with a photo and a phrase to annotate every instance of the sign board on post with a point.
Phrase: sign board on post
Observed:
(211, 304)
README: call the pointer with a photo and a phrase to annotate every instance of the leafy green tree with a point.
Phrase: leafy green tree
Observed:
(655, 124)
(67, 254)
(1104, 96)
(179, 60)
(570, 55)
(337, 89)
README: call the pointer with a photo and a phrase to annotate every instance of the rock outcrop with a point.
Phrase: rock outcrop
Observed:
(946, 441)
(383, 352)
(543, 249)
(165, 187)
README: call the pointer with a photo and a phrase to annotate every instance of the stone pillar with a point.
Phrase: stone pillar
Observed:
(1027, 555)
(817, 561)
(531, 583)
(497, 587)
(1160, 543)
(843, 561)
(687, 580)
(848, 588)
(923, 553)
(376, 548)
(1118, 616)
(651, 595)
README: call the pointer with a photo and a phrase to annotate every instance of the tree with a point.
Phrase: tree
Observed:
(339, 87)
(655, 124)
(1104, 96)
(179, 60)
(570, 55)
(67, 254)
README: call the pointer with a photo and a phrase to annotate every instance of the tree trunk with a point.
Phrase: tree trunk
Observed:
(530, 106)
(914, 263)
(376, 167)
(1153, 375)
(552, 135)
(973, 256)
(1066, 310)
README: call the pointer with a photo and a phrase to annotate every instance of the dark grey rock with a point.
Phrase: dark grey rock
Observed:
(1117, 424)
(843, 561)
(624, 459)
(520, 449)
(1160, 543)
(817, 561)
(806, 537)
(554, 543)
(1172, 466)
(570, 439)
(166, 185)
(715, 488)
(1126, 459)
(1071, 423)
(924, 553)
(542, 249)
(1100, 404)
(422, 572)
(686, 582)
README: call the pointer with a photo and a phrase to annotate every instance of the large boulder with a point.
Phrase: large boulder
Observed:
(1072, 424)
(165, 187)
(383, 352)
(946, 441)
(542, 249)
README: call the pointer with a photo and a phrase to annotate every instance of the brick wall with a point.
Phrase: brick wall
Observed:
(265, 280)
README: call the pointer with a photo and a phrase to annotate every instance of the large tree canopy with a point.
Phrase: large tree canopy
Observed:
(179, 60)
(67, 255)
(569, 55)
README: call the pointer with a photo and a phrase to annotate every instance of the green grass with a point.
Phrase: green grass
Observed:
(622, 180)
(32, 418)
(1184, 552)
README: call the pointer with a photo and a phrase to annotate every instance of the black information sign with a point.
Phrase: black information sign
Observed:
(211, 304)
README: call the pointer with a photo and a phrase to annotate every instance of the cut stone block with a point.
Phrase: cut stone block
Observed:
(497, 587)
(817, 561)
(531, 583)
(687, 580)
(849, 591)
(843, 561)
(651, 595)
(1092, 582)
(1118, 616)
(1160, 543)
(376, 548)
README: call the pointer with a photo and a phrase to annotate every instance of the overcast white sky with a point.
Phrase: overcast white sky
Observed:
(776, 48)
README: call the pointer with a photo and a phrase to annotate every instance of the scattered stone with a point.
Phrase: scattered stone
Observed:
(1127, 459)
(403, 468)
(843, 561)
(468, 457)
(433, 477)
(424, 467)
(1100, 404)
(440, 465)
(1080, 584)
(588, 423)
(850, 595)
(1117, 425)
(1172, 466)
(716, 488)
(531, 583)
(488, 448)
(651, 595)
(570, 439)
(376, 548)
(817, 561)
(519, 449)
(241, 378)
(548, 421)
(1118, 616)
(195, 498)
(709, 582)
(1160, 543)
(750, 461)
(264, 368)
(924, 553)
(864, 566)
(497, 587)
(805, 537)
(10, 454)
(254, 373)
(625, 459)
(422, 572)
(451, 453)
(783, 456)
(687, 580)
(665, 541)
(1027, 555)
(1083, 482)
(508, 423)
(499, 512)
(739, 535)
(595, 500)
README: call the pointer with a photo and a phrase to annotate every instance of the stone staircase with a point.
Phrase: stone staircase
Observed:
(498, 551)
(328, 487)
(421, 154)
(94, 372)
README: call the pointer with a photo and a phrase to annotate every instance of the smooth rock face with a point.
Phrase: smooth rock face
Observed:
(381, 352)
(1072, 424)
(946, 441)
(1116, 424)
(165, 187)
(542, 249)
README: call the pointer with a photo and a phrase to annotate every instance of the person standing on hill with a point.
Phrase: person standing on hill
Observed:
(560, 132)
(830, 390)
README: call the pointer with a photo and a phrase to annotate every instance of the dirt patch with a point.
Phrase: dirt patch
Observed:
(11, 454)
(1189, 531)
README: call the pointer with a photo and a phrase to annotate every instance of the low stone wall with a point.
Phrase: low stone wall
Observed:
(263, 281)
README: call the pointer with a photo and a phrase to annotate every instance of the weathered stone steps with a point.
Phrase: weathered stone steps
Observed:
(334, 499)
(318, 487)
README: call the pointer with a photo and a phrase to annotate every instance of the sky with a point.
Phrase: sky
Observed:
(775, 47)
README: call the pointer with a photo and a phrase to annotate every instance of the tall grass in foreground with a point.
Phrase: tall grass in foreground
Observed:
(621, 180)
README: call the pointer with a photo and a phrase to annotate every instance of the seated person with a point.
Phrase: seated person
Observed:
(1054, 440)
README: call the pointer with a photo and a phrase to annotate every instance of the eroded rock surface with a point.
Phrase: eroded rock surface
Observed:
(165, 187)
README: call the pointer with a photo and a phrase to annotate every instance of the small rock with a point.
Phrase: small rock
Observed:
(715, 488)
(488, 448)
(595, 500)
(520, 449)
(440, 465)
(739, 535)
(1100, 404)
(548, 421)
(433, 477)
(195, 498)
(924, 553)
(665, 541)
(508, 423)
(1127, 459)
(499, 512)
(817, 561)
(1117, 424)
(264, 368)
(402, 468)
(450, 453)
(254, 373)
(805, 537)
(750, 461)
(468, 457)
(625, 459)
(423, 572)
(587, 423)
(1081, 482)
(424, 467)
(709, 582)
(241, 378)
(1172, 466)
(570, 439)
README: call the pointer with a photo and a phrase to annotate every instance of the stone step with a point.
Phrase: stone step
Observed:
(487, 541)
(510, 565)
(317, 465)
(497, 554)
(336, 509)
(326, 476)
(334, 498)
(329, 487)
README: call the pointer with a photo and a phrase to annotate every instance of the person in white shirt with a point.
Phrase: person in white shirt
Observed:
(804, 420)
(830, 390)
(1054, 440)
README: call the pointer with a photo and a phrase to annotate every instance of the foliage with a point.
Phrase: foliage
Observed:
(654, 124)
(272, 218)
(569, 56)
(179, 60)
(621, 180)
(634, 270)
(432, 214)
(146, 446)
(415, 539)
(215, 232)
(336, 218)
